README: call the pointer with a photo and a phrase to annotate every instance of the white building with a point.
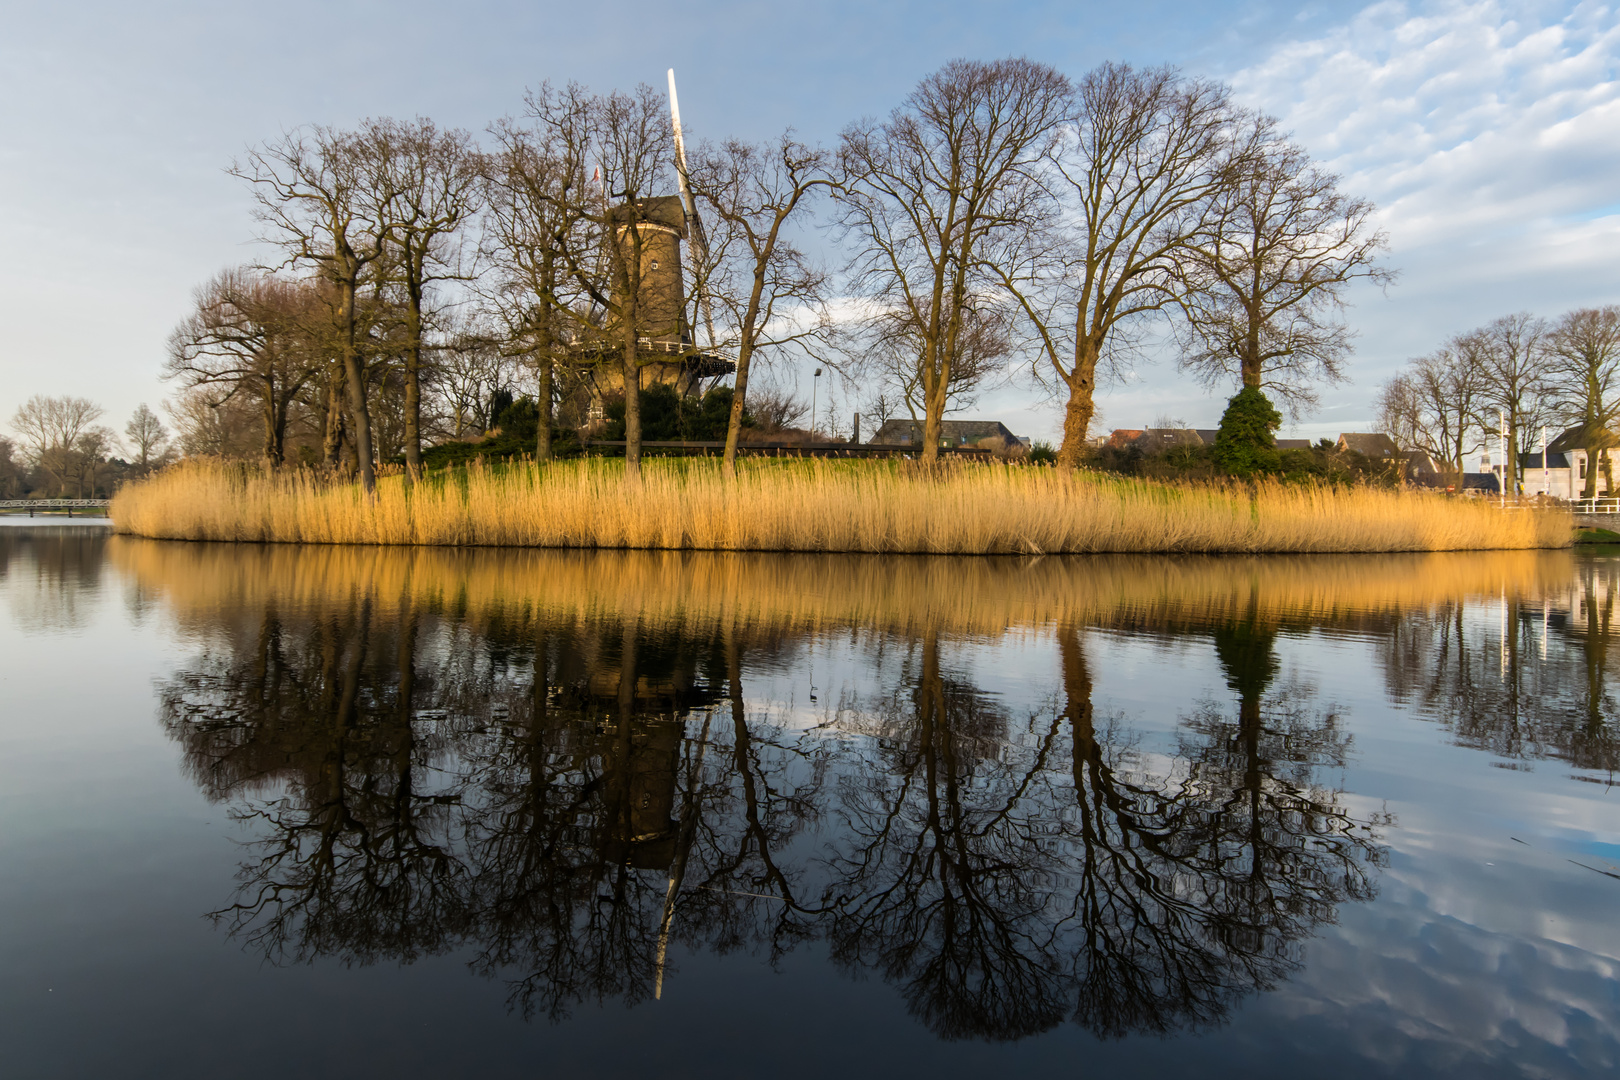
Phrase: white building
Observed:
(1563, 475)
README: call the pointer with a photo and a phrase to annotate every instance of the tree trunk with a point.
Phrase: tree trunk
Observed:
(745, 356)
(1251, 369)
(413, 385)
(332, 444)
(548, 362)
(356, 379)
(272, 447)
(542, 438)
(739, 403)
(632, 410)
(933, 419)
(1082, 404)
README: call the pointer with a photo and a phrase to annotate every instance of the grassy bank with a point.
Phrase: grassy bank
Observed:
(815, 506)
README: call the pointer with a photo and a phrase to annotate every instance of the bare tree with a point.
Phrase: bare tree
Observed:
(983, 345)
(209, 421)
(257, 336)
(1510, 356)
(472, 369)
(770, 291)
(312, 200)
(146, 435)
(1434, 407)
(423, 183)
(939, 194)
(537, 187)
(1583, 354)
(607, 257)
(775, 410)
(58, 432)
(1264, 273)
(1148, 152)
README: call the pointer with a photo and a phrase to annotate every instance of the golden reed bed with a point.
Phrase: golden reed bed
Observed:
(904, 595)
(815, 506)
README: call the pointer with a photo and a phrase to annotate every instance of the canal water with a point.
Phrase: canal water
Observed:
(280, 811)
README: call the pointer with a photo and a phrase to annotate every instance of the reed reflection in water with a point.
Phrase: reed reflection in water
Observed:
(553, 760)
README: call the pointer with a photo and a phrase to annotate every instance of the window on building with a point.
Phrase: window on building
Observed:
(1583, 469)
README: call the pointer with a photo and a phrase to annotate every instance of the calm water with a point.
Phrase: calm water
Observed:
(326, 812)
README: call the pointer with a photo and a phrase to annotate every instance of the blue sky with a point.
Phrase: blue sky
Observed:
(1488, 133)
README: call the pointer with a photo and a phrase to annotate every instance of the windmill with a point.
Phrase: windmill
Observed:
(666, 339)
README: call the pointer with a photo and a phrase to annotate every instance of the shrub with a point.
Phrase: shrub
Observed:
(668, 417)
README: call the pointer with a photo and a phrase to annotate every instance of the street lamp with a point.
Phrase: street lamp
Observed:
(814, 384)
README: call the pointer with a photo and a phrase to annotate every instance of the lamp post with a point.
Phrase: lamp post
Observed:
(815, 382)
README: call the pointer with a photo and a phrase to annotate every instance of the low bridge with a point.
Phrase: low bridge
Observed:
(70, 505)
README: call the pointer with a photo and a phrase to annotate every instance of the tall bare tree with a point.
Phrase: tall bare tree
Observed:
(60, 435)
(423, 183)
(936, 197)
(146, 435)
(771, 293)
(313, 202)
(538, 192)
(258, 336)
(1510, 354)
(1434, 407)
(1583, 354)
(607, 256)
(983, 345)
(1148, 150)
(1265, 271)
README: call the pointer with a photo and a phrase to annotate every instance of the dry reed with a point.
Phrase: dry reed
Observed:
(816, 506)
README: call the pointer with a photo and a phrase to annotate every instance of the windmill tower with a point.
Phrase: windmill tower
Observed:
(669, 352)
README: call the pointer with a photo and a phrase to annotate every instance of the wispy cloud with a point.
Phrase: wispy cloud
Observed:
(1485, 124)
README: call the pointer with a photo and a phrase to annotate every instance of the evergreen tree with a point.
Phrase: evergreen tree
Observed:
(1244, 445)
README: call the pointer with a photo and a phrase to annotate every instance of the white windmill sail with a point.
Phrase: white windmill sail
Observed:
(694, 225)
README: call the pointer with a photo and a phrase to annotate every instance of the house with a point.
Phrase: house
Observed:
(952, 433)
(1480, 483)
(1555, 479)
(1570, 448)
(1372, 445)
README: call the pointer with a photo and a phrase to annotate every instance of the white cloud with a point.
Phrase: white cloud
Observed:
(1473, 125)
(1488, 133)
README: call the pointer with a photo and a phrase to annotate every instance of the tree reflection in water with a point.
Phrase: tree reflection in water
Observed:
(566, 798)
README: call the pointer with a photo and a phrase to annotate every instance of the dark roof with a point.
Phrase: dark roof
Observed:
(906, 432)
(1418, 462)
(1373, 444)
(1293, 444)
(1575, 439)
(1480, 481)
(1533, 461)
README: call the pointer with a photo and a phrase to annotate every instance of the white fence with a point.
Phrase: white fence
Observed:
(69, 505)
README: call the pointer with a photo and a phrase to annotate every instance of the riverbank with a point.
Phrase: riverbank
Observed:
(815, 506)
